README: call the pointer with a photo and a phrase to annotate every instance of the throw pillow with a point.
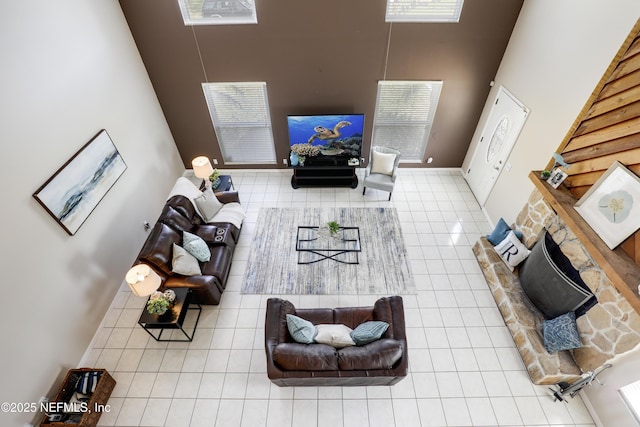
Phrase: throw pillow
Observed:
(196, 246)
(208, 204)
(382, 163)
(561, 333)
(184, 263)
(368, 332)
(337, 336)
(512, 251)
(301, 330)
(500, 232)
(87, 382)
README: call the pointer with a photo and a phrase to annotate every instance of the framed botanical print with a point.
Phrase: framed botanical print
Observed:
(612, 205)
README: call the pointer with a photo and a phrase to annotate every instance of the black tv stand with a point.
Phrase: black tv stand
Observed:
(324, 176)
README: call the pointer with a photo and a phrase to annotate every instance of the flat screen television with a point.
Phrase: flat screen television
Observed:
(326, 140)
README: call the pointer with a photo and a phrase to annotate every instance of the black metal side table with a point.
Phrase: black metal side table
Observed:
(174, 318)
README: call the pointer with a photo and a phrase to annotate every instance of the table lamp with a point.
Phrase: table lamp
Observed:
(142, 280)
(202, 169)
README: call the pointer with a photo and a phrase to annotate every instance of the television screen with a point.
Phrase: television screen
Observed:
(327, 139)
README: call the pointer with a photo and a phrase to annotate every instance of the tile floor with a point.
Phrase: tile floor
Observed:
(464, 368)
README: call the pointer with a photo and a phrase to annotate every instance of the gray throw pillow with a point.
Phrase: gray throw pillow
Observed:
(208, 204)
(184, 263)
(301, 330)
(196, 246)
(368, 332)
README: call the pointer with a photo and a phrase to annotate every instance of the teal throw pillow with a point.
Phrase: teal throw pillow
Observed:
(500, 233)
(301, 330)
(561, 333)
(368, 332)
(196, 246)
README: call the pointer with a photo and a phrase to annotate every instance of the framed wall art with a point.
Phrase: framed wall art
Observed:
(74, 191)
(612, 205)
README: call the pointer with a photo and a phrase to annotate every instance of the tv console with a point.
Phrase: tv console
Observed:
(324, 176)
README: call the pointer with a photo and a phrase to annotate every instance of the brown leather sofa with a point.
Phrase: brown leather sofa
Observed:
(179, 215)
(382, 362)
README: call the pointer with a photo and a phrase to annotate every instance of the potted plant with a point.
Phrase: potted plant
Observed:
(160, 302)
(215, 178)
(334, 227)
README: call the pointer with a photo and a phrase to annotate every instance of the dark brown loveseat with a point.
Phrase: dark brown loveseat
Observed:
(179, 215)
(382, 362)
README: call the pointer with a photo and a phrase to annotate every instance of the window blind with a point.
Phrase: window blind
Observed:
(423, 10)
(631, 397)
(404, 115)
(215, 12)
(241, 120)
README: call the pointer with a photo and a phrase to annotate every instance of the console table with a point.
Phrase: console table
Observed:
(324, 176)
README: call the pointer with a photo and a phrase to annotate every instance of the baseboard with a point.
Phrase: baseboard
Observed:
(591, 410)
(85, 356)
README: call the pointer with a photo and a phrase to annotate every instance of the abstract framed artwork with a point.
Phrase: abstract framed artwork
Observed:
(74, 191)
(612, 205)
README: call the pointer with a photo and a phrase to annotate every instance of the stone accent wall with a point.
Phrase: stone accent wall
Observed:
(611, 327)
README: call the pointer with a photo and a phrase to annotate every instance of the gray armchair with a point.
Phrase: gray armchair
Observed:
(382, 170)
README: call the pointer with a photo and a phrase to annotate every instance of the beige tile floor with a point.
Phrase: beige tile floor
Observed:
(464, 368)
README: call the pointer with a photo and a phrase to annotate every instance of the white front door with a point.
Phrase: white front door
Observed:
(500, 132)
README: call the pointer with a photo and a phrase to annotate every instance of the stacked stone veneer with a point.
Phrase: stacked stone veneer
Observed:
(610, 328)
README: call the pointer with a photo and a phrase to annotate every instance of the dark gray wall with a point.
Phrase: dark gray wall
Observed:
(322, 57)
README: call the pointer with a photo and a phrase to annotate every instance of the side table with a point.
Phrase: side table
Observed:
(174, 317)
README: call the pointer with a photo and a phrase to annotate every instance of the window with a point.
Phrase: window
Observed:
(240, 115)
(404, 115)
(423, 10)
(215, 12)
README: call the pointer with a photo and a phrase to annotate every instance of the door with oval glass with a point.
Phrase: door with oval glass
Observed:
(500, 133)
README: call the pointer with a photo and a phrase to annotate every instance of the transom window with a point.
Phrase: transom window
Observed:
(404, 115)
(423, 10)
(240, 116)
(216, 12)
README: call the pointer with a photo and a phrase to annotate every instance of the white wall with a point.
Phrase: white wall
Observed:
(69, 69)
(556, 56)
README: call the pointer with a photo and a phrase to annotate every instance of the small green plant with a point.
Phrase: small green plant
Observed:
(214, 175)
(158, 305)
(545, 174)
(334, 227)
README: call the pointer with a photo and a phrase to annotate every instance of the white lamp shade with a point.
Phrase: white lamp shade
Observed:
(142, 280)
(202, 167)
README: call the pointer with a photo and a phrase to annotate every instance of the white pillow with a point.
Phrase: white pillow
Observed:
(512, 251)
(208, 204)
(382, 163)
(184, 263)
(337, 336)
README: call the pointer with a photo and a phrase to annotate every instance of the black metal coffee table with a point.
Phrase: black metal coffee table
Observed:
(314, 245)
(174, 318)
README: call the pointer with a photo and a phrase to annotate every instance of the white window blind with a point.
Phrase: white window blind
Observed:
(240, 115)
(631, 396)
(404, 115)
(423, 10)
(215, 12)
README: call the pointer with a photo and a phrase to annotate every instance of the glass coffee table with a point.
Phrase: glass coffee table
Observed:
(314, 244)
(174, 318)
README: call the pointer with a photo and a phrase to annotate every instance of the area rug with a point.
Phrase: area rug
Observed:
(273, 266)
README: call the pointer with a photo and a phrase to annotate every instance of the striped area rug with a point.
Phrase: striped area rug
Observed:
(273, 261)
